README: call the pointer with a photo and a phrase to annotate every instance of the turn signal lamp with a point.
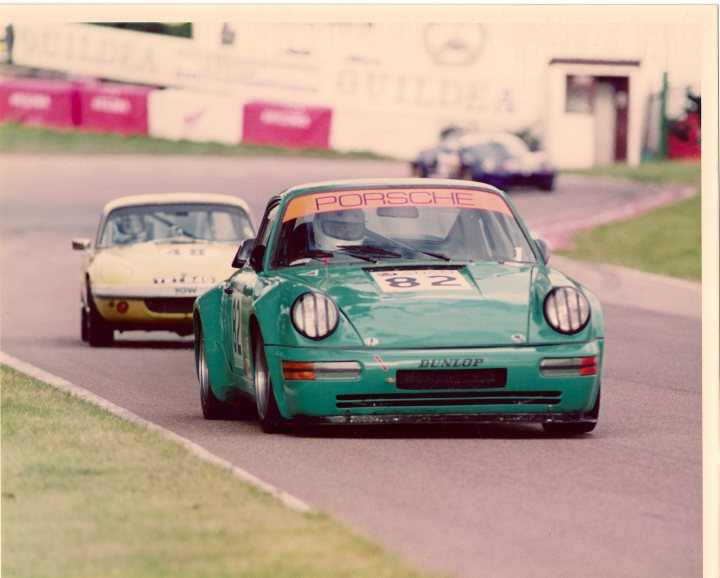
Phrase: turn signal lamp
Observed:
(320, 370)
(564, 366)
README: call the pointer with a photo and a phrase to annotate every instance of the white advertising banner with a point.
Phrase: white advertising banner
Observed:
(137, 57)
(194, 116)
(129, 56)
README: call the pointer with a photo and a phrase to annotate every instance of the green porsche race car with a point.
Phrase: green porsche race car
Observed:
(394, 301)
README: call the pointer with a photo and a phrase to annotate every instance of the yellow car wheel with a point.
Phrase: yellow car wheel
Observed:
(99, 331)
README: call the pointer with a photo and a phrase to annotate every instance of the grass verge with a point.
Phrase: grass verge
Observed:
(19, 139)
(666, 241)
(87, 494)
(680, 172)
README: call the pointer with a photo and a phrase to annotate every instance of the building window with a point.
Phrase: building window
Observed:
(579, 92)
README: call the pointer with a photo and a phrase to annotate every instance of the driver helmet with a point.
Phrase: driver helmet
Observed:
(131, 225)
(339, 228)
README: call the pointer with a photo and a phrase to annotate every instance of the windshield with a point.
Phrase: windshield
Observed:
(401, 224)
(176, 223)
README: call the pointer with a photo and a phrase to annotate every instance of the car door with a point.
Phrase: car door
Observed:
(240, 295)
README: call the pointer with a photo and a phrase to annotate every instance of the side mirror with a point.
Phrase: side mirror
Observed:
(256, 257)
(81, 244)
(544, 250)
(243, 253)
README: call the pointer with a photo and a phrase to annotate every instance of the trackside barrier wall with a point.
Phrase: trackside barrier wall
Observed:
(293, 126)
(52, 103)
(115, 108)
(194, 116)
(171, 114)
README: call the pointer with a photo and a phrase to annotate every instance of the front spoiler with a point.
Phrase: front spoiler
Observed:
(375, 419)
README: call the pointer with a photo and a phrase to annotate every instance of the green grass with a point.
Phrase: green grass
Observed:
(87, 494)
(681, 172)
(19, 139)
(666, 241)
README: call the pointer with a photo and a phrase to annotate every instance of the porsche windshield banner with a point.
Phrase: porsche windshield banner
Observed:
(374, 198)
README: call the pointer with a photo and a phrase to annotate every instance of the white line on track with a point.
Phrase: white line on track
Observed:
(62, 384)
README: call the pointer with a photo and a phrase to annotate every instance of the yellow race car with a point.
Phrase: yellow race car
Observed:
(152, 256)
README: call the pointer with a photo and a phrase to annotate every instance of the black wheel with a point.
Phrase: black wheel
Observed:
(83, 323)
(576, 428)
(212, 407)
(419, 171)
(99, 332)
(268, 414)
(546, 185)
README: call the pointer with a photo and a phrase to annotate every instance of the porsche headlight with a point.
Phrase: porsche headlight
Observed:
(566, 310)
(314, 315)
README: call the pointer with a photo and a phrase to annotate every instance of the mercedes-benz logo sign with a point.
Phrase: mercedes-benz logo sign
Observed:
(454, 44)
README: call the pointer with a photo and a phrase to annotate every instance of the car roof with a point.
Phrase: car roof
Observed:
(473, 138)
(393, 182)
(175, 198)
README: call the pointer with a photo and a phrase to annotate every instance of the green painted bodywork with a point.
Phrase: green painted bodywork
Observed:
(500, 320)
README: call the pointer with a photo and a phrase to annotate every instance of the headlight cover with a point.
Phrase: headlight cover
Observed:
(566, 310)
(314, 315)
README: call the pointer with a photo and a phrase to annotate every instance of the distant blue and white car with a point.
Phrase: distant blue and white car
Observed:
(502, 160)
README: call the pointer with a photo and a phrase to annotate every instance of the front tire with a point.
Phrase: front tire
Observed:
(99, 332)
(212, 407)
(83, 323)
(547, 185)
(466, 174)
(268, 414)
(418, 171)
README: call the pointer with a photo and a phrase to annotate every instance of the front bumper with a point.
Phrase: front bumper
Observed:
(374, 396)
(148, 307)
(516, 179)
(173, 314)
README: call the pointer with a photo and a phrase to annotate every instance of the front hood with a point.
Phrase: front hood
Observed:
(534, 161)
(168, 265)
(431, 306)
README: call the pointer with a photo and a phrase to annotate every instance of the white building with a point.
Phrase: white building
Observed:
(582, 83)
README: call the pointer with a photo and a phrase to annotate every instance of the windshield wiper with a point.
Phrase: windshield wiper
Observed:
(364, 251)
(411, 248)
(175, 230)
(436, 255)
(320, 254)
(179, 239)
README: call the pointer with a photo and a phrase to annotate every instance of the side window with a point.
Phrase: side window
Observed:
(267, 225)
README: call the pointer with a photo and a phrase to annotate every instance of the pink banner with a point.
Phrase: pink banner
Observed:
(114, 108)
(273, 124)
(32, 101)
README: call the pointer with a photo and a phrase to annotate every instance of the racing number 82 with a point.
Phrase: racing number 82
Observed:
(407, 282)
(421, 280)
